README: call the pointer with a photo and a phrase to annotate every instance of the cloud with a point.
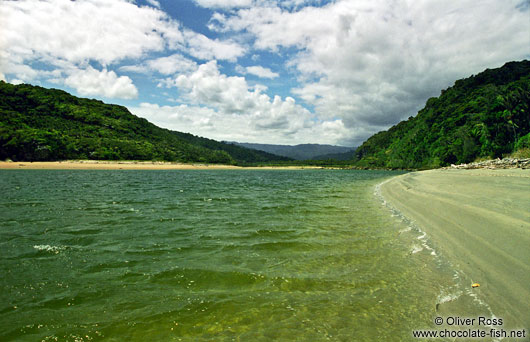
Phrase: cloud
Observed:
(154, 3)
(172, 64)
(78, 31)
(92, 82)
(16, 81)
(259, 71)
(233, 4)
(225, 106)
(209, 87)
(169, 65)
(373, 63)
(64, 35)
(221, 126)
(21, 71)
(106, 31)
(224, 3)
(202, 47)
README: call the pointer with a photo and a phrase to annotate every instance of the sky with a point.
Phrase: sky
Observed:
(262, 71)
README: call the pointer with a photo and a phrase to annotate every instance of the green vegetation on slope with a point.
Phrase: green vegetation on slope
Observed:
(483, 116)
(49, 124)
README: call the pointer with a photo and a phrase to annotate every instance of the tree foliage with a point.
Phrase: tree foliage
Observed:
(39, 124)
(483, 116)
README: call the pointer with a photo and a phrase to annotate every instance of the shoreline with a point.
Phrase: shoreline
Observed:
(133, 165)
(479, 220)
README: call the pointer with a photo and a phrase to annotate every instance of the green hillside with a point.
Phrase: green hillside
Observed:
(483, 116)
(49, 124)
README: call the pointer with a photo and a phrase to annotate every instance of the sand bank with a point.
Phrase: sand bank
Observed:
(108, 165)
(479, 220)
(130, 165)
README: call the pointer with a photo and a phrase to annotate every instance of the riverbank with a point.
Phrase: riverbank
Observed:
(131, 165)
(479, 220)
(505, 163)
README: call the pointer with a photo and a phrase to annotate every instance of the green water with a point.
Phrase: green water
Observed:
(307, 255)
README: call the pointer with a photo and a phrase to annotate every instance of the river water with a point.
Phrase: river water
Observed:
(224, 255)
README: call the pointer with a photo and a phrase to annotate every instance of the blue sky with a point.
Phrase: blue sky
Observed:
(285, 71)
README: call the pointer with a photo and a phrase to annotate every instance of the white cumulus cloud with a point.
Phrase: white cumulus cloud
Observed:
(232, 4)
(224, 3)
(259, 71)
(154, 3)
(202, 47)
(92, 82)
(168, 65)
(77, 31)
(226, 106)
(65, 35)
(223, 126)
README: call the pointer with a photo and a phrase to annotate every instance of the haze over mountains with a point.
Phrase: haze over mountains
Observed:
(304, 151)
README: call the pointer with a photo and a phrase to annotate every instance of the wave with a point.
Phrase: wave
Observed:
(460, 289)
(49, 248)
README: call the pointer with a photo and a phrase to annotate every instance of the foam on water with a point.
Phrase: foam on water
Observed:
(444, 297)
(411, 226)
(416, 249)
(459, 289)
(49, 248)
(405, 230)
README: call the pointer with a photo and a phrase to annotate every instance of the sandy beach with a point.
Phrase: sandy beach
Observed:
(129, 165)
(480, 221)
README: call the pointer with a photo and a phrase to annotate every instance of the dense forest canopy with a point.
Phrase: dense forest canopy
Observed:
(483, 116)
(50, 124)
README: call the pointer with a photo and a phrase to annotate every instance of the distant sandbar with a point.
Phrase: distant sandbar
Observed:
(130, 165)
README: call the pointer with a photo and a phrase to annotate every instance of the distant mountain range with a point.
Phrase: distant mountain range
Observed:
(304, 151)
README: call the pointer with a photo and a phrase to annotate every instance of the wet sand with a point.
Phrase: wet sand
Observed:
(129, 165)
(480, 221)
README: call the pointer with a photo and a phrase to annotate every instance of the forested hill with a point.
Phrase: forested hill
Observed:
(483, 116)
(49, 124)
